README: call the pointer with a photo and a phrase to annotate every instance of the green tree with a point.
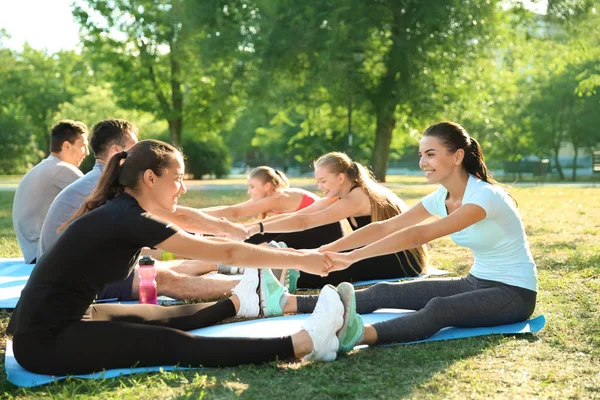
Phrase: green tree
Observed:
(18, 152)
(40, 83)
(558, 115)
(33, 84)
(140, 47)
(98, 103)
(387, 48)
(565, 62)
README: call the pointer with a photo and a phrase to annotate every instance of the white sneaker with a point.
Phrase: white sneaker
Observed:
(246, 291)
(323, 324)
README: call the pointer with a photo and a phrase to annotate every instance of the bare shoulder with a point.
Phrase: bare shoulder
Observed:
(360, 198)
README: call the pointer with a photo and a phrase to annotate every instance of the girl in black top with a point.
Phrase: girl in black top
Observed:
(57, 331)
(361, 201)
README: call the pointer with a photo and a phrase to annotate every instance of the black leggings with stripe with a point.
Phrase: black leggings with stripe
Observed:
(462, 302)
(123, 336)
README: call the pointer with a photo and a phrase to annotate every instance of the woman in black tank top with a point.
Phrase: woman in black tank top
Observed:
(361, 201)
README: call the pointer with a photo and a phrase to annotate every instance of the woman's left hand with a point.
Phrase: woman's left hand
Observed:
(339, 261)
(315, 263)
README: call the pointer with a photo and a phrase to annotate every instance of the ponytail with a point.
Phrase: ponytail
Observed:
(108, 188)
(454, 137)
(474, 162)
(124, 170)
(283, 181)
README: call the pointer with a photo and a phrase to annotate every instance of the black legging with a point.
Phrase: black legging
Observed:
(124, 336)
(390, 266)
(308, 239)
(397, 265)
(463, 302)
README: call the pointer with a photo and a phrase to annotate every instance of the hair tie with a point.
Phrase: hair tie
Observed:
(468, 140)
(122, 156)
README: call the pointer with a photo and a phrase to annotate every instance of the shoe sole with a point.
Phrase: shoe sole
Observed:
(284, 279)
(339, 322)
(255, 299)
(261, 296)
(347, 298)
(263, 309)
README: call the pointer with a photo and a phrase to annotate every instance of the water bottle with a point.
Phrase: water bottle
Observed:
(147, 288)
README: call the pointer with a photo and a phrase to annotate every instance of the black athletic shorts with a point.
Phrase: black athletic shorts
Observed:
(120, 290)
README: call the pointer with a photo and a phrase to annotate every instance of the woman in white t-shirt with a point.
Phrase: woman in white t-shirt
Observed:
(478, 214)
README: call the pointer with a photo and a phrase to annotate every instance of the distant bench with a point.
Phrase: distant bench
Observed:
(596, 161)
(537, 168)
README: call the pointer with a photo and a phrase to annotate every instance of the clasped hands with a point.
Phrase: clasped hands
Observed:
(321, 261)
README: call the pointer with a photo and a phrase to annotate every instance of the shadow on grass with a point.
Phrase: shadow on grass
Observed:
(368, 373)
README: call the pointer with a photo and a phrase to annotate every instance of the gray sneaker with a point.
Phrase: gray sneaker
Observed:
(352, 330)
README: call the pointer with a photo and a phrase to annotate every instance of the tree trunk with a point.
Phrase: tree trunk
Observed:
(557, 140)
(175, 127)
(176, 118)
(172, 110)
(574, 175)
(386, 122)
(561, 175)
(387, 97)
(350, 126)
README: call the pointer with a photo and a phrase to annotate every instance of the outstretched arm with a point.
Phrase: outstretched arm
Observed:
(248, 208)
(411, 237)
(378, 230)
(301, 221)
(196, 221)
(318, 205)
(241, 254)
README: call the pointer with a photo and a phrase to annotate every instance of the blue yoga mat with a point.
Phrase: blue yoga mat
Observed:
(14, 274)
(268, 327)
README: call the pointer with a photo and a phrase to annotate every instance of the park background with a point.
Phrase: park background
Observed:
(242, 83)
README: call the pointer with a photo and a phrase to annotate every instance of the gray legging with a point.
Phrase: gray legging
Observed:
(462, 302)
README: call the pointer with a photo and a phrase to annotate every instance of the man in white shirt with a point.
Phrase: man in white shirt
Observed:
(39, 187)
(109, 137)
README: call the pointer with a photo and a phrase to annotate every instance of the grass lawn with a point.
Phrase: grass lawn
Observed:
(561, 362)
